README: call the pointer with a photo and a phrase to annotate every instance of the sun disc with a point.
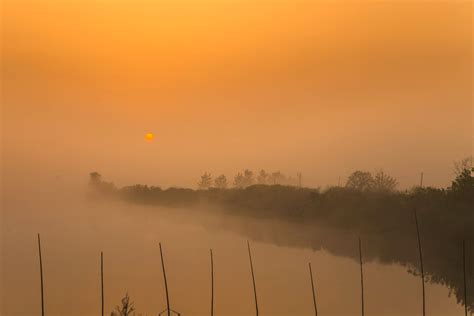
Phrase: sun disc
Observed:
(149, 136)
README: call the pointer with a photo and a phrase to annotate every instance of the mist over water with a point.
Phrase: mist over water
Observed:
(74, 229)
(314, 90)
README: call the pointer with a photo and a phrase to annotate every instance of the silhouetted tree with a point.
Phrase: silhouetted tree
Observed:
(98, 185)
(205, 182)
(239, 181)
(127, 308)
(277, 177)
(463, 187)
(300, 176)
(220, 182)
(383, 182)
(462, 165)
(262, 177)
(360, 180)
(95, 178)
(290, 180)
(248, 178)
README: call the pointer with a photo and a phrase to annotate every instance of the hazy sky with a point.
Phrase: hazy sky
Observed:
(320, 87)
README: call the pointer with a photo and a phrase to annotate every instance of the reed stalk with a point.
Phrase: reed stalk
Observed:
(102, 281)
(361, 278)
(41, 275)
(253, 279)
(421, 263)
(312, 287)
(166, 284)
(212, 285)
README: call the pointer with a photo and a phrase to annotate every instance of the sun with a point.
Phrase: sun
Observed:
(149, 136)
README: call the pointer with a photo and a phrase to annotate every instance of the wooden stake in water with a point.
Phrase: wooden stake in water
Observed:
(361, 277)
(421, 263)
(253, 279)
(166, 284)
(464, 274)
(212, 285)
(102, 281)
(41, 275)
(312, 287)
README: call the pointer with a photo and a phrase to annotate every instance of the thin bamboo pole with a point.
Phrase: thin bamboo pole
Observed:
(361, 278)
(166, 284)
(41, 275)
(212, 285)
(464, 275)
(312, 288)
(253, 279)
(421, 263)
(102, 281)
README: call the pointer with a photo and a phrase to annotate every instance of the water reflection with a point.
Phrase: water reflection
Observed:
(74, 233)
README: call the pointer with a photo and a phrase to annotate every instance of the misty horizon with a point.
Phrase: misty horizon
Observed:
(299, 126)
(293, 180)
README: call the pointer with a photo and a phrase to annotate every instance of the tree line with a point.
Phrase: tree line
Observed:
(368, 204)
(358, 180)
(247, 178)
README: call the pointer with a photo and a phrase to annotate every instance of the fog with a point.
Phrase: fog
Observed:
(74, 229)
(318, 87)
(321, 88)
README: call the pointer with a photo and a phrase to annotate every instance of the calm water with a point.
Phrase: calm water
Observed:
(74, 231)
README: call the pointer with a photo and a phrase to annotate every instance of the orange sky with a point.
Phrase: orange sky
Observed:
(321, 87)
